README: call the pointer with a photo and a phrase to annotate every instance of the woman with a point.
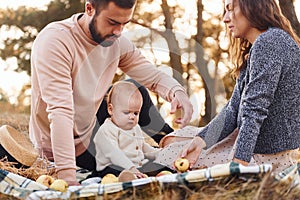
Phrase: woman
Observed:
(261, 122)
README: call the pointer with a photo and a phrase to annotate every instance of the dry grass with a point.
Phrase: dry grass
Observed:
(246, 187)
(38, 168)
(41, 166)
(18, 121)
(230, 188)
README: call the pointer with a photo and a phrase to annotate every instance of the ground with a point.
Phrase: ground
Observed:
(18, 121)
(255, 187)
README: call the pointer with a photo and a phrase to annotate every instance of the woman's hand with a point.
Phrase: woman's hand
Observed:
(192, 150)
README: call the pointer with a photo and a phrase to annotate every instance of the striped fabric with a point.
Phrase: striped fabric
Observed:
(23, 188)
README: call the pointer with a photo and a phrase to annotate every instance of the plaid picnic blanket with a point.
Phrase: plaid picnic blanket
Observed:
(23, 188)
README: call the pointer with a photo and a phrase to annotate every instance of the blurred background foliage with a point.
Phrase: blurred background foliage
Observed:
(186, 38)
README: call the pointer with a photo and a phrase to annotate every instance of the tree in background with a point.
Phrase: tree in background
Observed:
(193, 44)
(25, 23)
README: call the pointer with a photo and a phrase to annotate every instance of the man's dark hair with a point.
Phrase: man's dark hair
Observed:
(102, 4)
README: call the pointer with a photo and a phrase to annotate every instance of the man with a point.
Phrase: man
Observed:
(73, 65)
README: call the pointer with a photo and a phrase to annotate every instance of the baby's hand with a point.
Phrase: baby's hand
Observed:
(137, 173)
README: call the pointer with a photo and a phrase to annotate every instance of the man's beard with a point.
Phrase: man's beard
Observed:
(97, 36)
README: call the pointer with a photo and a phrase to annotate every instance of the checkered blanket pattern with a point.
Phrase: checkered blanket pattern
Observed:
(23, 188)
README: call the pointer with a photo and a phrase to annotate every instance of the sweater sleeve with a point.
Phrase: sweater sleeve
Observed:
(264, 67)
(134, 64)
(226, 121)
(148, 150)
(52, 62)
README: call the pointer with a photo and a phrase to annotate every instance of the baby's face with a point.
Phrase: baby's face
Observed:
(125, 113)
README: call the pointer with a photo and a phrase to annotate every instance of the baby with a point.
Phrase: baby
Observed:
(120, 144)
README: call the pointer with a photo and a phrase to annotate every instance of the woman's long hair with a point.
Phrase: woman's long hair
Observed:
(261, 14)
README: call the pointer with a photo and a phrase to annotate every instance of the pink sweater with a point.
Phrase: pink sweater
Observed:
(70, 76)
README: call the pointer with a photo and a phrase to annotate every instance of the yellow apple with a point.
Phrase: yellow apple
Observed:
(164, 172)
(59, 185)
(182, 164)
(45, 180)
(109, 178)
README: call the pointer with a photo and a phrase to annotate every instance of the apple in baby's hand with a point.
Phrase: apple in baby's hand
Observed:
(45, 180)
(164, 172)
(59, 185)
(182, 164)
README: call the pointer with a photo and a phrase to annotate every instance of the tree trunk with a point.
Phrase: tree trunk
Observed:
(210, 104)
(174, 50)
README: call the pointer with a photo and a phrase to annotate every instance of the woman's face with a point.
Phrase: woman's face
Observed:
(236, 22)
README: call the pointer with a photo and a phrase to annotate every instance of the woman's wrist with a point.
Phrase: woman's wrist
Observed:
(240, 161)
(200, 141)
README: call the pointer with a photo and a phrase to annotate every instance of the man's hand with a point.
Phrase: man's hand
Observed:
(73, 183)
(181, 101)
(192, 150)
(69, 175)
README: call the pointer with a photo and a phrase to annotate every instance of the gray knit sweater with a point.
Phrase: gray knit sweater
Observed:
(265, 104)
